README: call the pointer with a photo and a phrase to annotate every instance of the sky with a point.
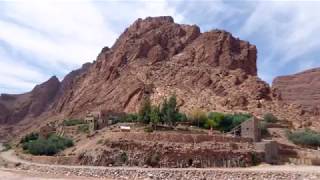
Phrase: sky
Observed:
(42, 38)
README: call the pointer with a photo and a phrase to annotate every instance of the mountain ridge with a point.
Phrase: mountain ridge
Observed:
(155, 57)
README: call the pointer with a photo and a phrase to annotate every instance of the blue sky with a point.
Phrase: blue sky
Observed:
(42, 38)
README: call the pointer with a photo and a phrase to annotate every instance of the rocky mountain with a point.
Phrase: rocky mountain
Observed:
(14, 108)
(157, 57)
(302, 89)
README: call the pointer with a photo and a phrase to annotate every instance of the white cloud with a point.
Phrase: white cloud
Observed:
(61, 35)
(50, 37)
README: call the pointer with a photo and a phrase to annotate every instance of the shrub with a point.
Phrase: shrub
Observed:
(153, 160)
(129, 118)
(230, 121)
(198, 118)
(6, 146)
(100, 141)
(123, 157)
(83, 128)
(72, 122)
(29, 137)
(270, 118)
(305, 138)
(263, 128)
(215, 119)
(50, 146)
(148, 129)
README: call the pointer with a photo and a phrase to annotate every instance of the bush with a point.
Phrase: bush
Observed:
(270, 118)
(153, 160)
(6, 146)
(148, 129)
(72, 122)
(123, 157)
(100, 141)
(129, 118)
(230, 121)
(29, 137)
(83, 128)
(263, 128)
(214, 120)
(305, 138)
(198, 118)
(50, 146)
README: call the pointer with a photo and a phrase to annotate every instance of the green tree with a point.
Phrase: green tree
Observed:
(198, 117)
(155, 116)
(210, 124)
(216, 117)
(170, 110)
(144, 111)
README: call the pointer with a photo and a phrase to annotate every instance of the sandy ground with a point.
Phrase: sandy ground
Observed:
(9, 174)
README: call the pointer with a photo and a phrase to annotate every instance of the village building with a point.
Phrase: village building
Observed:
(248, 129)
(100, 119)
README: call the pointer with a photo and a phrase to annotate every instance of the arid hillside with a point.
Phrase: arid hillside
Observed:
(301, 89)
(156, 57)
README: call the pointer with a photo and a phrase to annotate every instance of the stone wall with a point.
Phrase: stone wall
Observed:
(172, 155)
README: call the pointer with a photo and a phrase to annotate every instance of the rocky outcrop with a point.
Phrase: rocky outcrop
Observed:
(301, 89)
(157, 57)
(14, 108)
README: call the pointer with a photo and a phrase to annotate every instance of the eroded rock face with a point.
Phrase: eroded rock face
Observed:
(301, 89)
(14, 108)
(156, 57)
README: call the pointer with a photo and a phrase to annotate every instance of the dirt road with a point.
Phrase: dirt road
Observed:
(10, 174)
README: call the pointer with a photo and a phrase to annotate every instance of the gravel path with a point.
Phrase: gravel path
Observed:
(259, 172)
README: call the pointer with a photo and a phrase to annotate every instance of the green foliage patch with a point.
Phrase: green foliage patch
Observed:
(50, 146)
(166, 113)
(217, 120)
(84, 128)
(307, 138)
(270, 118)
(73, 122)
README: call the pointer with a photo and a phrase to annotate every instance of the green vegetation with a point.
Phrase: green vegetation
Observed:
(264, 128)
(84, 128)
(100, 141)
(123, 157)
(166, 113)
(232, 120)
(216, 120)
(29, 137)
(198, 118)
(270, 118)
(42, 146)
(148, 129)
(306, 138)
(73, 122)
(131, 117)
(153, 160)
(6, 146)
